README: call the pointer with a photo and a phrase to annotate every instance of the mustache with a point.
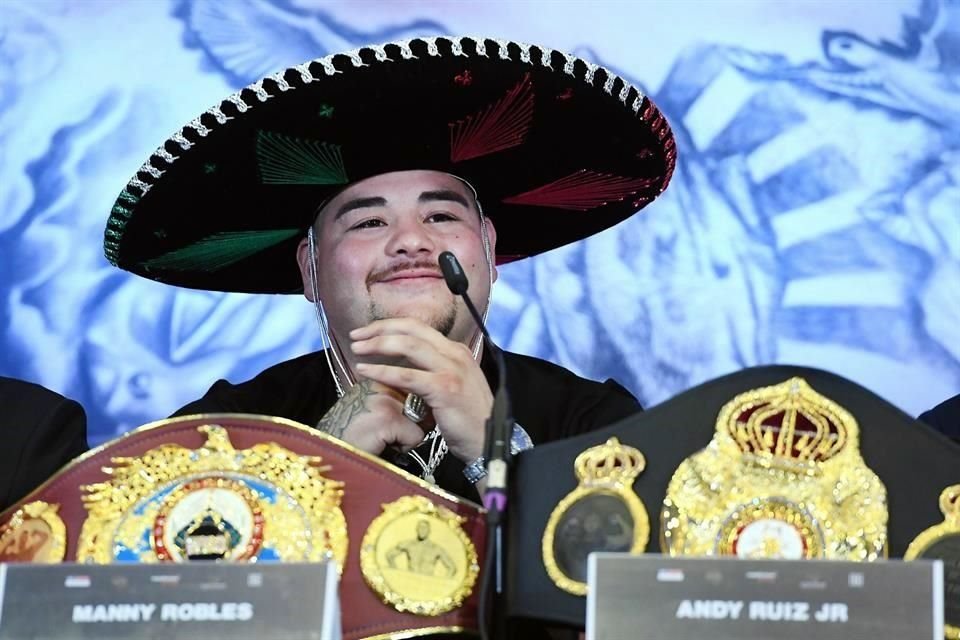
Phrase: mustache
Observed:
(391, 271)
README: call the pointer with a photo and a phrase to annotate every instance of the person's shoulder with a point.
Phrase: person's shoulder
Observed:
(531, 365)
(28, 402)
(22, 392)
(284, 389)
(291, 368)
(945, 417)
(565, 385)
(550, 401)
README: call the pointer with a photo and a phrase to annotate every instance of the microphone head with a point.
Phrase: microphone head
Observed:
(453, 273)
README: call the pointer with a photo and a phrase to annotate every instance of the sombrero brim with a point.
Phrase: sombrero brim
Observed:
(556, 147)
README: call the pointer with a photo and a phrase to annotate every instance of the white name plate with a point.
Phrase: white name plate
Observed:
(178, 601)
(652, 597)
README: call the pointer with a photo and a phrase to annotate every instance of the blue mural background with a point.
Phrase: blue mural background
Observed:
(814, 217)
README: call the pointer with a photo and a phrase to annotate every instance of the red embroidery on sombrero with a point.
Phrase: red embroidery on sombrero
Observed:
(499, 126)
(582, 191)
(657, 122)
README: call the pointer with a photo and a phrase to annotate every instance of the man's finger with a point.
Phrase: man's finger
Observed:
(422, 383)
(420, 353)
(403, 434)
(404, 326)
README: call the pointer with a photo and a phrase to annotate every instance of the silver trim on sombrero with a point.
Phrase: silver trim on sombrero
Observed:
(237, 101)
(306, 76)
(278, 78)
(257, 87)
(380, 53)
(263, 93)
(432, 49)
(181, 140)
(164, 155)
(199, 127)
(139, 184)
(150, 170)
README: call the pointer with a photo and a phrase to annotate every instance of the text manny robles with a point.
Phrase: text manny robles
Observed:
(167, 612)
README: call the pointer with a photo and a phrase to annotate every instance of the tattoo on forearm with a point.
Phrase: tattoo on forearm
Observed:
(342, 413)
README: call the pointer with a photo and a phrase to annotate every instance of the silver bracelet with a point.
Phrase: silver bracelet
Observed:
(519, 441)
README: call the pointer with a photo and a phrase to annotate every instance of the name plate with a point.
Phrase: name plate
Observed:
(183, 601)
(651, 597)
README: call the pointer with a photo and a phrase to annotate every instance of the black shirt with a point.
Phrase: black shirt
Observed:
(548, 401)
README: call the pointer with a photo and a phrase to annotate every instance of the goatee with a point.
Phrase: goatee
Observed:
(443, 322)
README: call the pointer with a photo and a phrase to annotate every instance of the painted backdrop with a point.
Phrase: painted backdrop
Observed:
(814, 217)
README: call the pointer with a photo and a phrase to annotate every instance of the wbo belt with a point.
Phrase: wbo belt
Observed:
(235, 487)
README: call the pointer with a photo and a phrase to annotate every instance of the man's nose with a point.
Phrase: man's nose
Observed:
(410, 237)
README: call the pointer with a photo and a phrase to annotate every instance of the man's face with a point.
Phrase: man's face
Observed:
(378, 242)
(423, 530)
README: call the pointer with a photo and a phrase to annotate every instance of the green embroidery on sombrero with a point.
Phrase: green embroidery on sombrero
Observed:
(126, 196)
(219, 250)
(286, 160)
(121, 211)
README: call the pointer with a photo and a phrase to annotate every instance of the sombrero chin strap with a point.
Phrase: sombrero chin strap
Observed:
(326, 336)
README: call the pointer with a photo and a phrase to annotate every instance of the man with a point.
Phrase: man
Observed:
(42, 432)
(423, 555)
(384, 295)
(395, 143)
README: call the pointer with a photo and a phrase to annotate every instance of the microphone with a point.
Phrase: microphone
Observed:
(456, 279)
(500, 424)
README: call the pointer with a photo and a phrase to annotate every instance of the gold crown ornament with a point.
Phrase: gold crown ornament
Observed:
(782, 478)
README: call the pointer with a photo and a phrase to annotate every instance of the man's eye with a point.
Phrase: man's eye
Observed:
(367, 224)
(441, 216)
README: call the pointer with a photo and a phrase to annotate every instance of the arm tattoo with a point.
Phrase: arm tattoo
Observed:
(338, 418)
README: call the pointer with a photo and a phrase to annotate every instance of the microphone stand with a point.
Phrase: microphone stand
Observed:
(497, 454)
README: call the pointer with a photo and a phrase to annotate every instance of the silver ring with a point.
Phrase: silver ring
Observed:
(415, 408)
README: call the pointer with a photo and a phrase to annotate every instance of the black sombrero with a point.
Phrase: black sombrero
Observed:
(557, 148)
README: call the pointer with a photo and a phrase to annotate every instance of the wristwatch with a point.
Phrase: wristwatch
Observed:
(519, 441)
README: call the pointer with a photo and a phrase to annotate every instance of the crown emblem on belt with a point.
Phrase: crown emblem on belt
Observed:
(788, 424)
(610, 464)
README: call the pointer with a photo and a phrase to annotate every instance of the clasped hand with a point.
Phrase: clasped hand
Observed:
(423, 361)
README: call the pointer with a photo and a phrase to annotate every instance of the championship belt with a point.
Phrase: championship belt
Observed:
(782, 478)
(246, 488)
(942, 542)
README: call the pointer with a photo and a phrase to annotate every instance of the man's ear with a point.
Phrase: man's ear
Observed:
(303, 259)
(492, 239)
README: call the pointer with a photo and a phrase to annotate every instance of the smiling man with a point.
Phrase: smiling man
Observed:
(345, 178)
(385, 296)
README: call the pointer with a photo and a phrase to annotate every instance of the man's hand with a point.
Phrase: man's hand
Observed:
(441, 371)
(369, 416)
